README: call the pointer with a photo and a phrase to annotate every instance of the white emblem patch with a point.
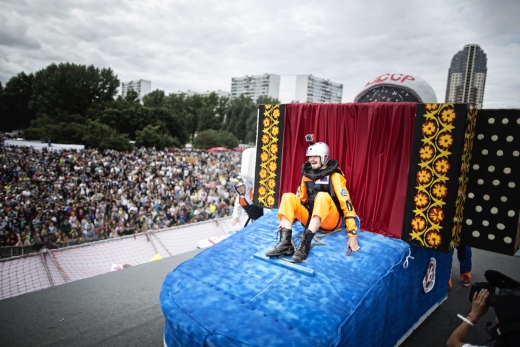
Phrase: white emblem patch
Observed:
(429, 276)
(298, 193)
(343, 192)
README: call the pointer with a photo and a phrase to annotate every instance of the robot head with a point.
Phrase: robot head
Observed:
(320, 149)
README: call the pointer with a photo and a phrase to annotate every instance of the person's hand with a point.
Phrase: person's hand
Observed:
(235, 221)
(478, 309)
(478, 305)
(353, 244)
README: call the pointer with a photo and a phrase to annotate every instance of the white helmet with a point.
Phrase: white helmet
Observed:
(239, 181)
(319, 149)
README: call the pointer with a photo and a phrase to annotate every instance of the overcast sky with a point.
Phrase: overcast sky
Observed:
(201, 45)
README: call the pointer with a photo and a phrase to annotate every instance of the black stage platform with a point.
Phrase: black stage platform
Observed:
(122, 308)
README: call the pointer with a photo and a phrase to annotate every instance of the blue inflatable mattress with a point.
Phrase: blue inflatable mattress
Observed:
(229, 295)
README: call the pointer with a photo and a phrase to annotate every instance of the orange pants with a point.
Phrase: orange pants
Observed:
(291, 207)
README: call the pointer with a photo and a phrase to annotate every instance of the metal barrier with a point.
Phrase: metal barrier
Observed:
(15, 251)
(25, 270)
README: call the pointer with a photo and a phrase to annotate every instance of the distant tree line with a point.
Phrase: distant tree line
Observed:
(69, 103)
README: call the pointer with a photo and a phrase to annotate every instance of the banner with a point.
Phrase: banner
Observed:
(437, 177)
(269, 144)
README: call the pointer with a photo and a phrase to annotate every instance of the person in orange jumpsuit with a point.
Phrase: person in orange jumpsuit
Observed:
(320, 203)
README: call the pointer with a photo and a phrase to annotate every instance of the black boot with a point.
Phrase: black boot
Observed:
(304, 247)
(285, 246)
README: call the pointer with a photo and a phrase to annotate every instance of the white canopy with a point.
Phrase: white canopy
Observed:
(39, 145)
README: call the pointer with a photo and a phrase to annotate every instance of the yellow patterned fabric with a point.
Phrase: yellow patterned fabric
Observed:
(436, 161)
(469, 136)
(269, 140)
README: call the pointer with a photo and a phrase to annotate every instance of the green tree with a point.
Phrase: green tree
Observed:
(192, 107)
(154, 99)
(266, 100)
(172, 124)
(101, 136)
(175, 103)
(71, 89)
(124, 117)
(211, 115)
(152, 136)
(127, 117)
(15, 99)
(208, 120)
(251, 127)
(132, 96)
(70, 131)
(221, 108)
(239, 112)
(213, 138)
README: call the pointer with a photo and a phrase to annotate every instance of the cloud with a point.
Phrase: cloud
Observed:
(15, 33)
(201, 45)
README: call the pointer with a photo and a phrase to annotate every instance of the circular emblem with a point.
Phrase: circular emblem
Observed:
(429, 277)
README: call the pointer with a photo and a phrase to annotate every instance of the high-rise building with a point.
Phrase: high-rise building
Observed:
(467, 76)
(314, 89)
(142, 87)
(255, 86)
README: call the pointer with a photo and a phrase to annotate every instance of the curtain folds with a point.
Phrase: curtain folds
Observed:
(372, 142)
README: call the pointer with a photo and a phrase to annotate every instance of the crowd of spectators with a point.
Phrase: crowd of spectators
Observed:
(52, 198)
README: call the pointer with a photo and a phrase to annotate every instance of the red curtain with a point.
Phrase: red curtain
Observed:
(371, 141)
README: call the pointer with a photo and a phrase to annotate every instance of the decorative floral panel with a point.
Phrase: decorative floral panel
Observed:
(438, 175)
(269, 155)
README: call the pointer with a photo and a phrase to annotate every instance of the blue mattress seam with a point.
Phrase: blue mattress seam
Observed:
(269, 285)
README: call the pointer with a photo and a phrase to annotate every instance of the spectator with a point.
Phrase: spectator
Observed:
(65, 227)
(64, 239)
(55, 241)
(36, 242)
(50, 193)
(51, 229)
(44, 233)
(24, 240)
(73, 235)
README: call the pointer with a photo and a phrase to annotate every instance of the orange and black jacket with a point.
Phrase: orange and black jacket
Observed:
(332, 181)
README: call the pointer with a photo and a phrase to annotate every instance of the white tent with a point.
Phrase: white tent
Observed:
(41, 145)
